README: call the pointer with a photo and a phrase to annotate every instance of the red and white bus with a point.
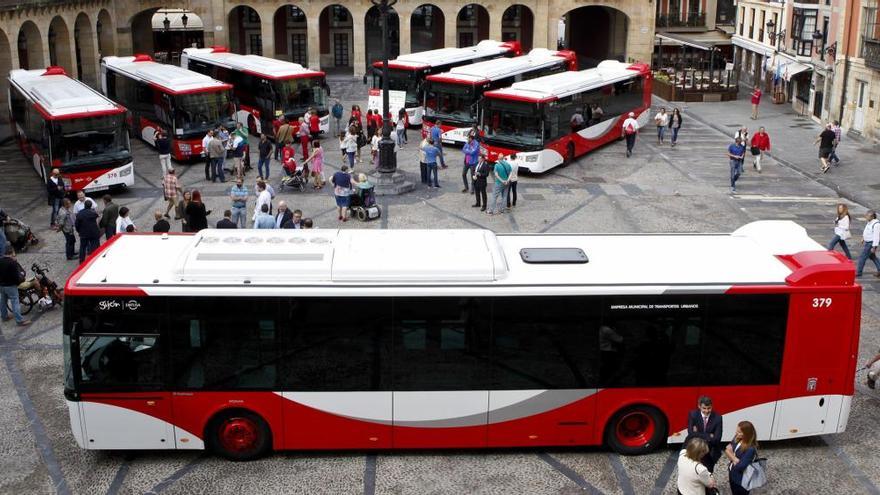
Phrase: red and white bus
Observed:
(246, 341)
(184, 103)
(534, 118)
(62, 123)
(453, 97)
(265, 88)
(408, 72)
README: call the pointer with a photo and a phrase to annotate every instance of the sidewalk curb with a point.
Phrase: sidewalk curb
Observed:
(843, 192)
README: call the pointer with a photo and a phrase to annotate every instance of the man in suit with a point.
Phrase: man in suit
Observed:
(706, 424)
(56, 191)
(227, 222)
(294, 223)
(108, 217)
(87, 227)
(283, 215)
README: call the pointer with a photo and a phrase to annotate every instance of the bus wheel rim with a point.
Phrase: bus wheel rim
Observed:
(635, 429)
(239, 435)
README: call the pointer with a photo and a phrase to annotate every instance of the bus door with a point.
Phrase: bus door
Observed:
(816, 364)
(441, 372)
(121, 358)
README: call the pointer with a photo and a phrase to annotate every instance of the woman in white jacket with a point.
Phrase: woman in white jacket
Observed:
(841, 230)
(693, 477)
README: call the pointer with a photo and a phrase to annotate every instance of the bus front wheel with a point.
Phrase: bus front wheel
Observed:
(239, 435)
(636, 430)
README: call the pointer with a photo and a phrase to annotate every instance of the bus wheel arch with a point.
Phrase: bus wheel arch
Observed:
(238, 434)
(636, 429)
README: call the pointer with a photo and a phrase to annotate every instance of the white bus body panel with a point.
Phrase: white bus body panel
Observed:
(441, 409)
(123, 175)
(457, 136)
(109, 427)
(375, 407)
(415, 114)
(76, 423)
(537, 161)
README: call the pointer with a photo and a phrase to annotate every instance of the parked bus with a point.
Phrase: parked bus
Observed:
(248, 341)
(408, 72)
(265, 88)
(534, 118)
(453, 97)
(181, 102)
(62, 123)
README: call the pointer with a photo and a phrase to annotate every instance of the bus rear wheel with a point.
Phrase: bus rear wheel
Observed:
(239, 435)
(636, 430)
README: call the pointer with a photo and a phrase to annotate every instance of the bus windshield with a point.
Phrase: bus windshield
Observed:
(401, 80)
(298, 95)
(89, 139)
(198, 112)
(451, 102)
(508, 122)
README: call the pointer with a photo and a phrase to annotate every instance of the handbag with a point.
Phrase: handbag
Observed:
(755, 474)
(755, 150)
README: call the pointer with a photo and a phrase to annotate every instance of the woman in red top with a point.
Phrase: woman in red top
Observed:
(314, 124)
(356, 115)
(760, 143)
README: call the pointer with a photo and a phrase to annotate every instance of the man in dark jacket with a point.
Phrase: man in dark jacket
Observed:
(161, 224)
(706, 424)
(11, 275)
(87, 228)
(226, 222)
(55, 189)
(108, 217)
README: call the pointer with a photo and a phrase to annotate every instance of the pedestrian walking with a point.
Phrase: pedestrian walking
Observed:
(264, 197)
(401, 127)
(108, 217)
(675, 122)
(80, 202)
(123, 221)
(630, 130)
(238, 146)
(693, 476)
(314, 125)
(512, 180)
(181, 211)
(283, 136)
(337, 111)
(736, 153)
(437, 137)
(705, 424)
(355, 116)
(360, 140)
(171, 188)
(65, 222)
(217, 154)
(226, 222)
(315, 163)
(11, 276)
(196, 213)
(499, 191)
(349, 146)
(238, 194)
(303, 136)
(481, 175)
(741, 452)
(756, 100)
(263, 220)
(841, 230)
(342, 186)
(871, 239)
(163, 147)
(265, 157)
(86, 226)
(760, 144)
(374, 147)
(206, 141)
(423, 166)
(55, 191)
(743, 135)
(161, 224)
(431, 152)
(661, 120)
(371, 123)
(825, 140)
(838, 135)
(471, 151)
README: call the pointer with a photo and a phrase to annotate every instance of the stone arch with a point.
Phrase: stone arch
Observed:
(59, 45)
(142, 32)
(85, 50)
(373, 35)
(291, 34)
(245, 30)
(427, 28)
(5, 61)
(472, 25)
(105, 31)
(518, 24)
(30, 47)
(336, 39)
(601, 34)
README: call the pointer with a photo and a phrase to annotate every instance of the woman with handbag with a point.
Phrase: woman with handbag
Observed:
(741, 452)
(841, 230)
(693, 477)
(675, 125)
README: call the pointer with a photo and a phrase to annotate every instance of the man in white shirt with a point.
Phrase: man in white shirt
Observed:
(661, 120)
(205, 141)
(871, 238)
(630, 131)
(80, 202)
(263, 198)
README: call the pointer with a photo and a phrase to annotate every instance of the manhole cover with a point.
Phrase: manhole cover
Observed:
(593, 179)
(735, 126)
(533, 197)
(700, 206)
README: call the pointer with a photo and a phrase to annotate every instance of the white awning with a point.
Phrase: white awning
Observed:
(793, 69)
(753, 46)
(175, 18)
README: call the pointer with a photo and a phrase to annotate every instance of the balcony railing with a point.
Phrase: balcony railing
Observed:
(871, 53)
(677, 20)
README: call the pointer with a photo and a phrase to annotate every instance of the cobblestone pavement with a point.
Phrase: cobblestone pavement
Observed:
(660, 189)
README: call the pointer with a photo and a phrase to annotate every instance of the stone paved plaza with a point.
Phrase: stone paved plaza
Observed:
(660, 189)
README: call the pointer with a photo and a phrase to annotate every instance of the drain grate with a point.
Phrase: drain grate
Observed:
(533, 197)
(594, 180)
(734, 126)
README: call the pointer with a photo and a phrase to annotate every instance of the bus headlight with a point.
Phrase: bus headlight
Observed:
(531, 158)
(126, 171)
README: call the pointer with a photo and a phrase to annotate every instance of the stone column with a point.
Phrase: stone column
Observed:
(451, 29)
(404, 15)
(267, 32)
(495, 14)
(541, 35)
(359, 42)
(123, 41)
(313, 38)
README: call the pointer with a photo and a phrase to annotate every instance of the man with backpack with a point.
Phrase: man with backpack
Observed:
(630, 131)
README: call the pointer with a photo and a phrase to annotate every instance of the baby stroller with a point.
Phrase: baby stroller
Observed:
(363, 202)
(18, 233)
(295, 181)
